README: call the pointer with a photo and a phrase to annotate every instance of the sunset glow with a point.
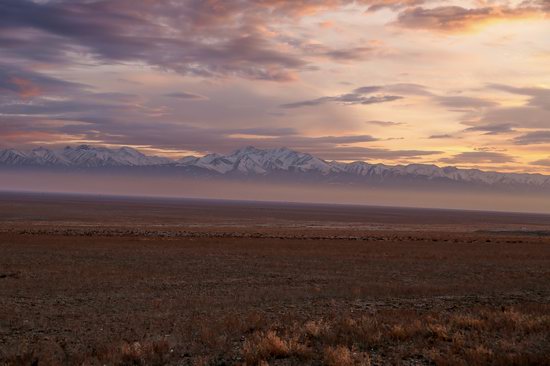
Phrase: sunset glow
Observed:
(461, 83)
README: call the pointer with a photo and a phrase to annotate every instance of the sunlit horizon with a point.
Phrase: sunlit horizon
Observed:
(450, 83)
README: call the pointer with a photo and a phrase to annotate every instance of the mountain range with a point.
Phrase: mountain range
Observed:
(251, 162)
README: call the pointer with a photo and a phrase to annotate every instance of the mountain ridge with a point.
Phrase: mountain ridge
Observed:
(253, 162)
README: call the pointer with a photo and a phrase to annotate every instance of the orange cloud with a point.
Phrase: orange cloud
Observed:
(375, 5)
(326, 24)
(458, 19)
(26, 89)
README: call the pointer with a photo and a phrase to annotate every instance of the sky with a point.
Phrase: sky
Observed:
(463, 83)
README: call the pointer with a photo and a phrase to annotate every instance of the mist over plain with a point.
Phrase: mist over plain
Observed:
(147, 185)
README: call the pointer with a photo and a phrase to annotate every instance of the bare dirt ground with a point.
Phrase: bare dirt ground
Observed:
(94, 281)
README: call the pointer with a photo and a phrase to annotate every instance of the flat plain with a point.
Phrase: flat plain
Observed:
(133, 281)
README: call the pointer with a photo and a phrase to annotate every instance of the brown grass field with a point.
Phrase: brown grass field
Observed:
(121, 281)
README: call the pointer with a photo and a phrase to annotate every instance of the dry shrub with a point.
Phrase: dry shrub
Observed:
(439, 358)
(514, 320)
(49, 353)
(458, 341)
(338, 356)
(364, 331)
(255, 320)
(237, 323)
(468, 322)
(513, 317)
(479, 355)
(362, 359)
(140, 353)
(131, 351)
(398, 332)
(439, 331)
(208, 335)
(314, 328)
(476, 336)
(267, 345)
(299, 349)
(264, 346)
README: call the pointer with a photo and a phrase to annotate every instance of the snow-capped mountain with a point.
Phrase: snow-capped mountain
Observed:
(13, 157)
(44, 156)
(252, 162)
(87, 156)
(84, 156)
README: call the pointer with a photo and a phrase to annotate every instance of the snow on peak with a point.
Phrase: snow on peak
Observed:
(251, 160)
(254, 161)
(81, 156)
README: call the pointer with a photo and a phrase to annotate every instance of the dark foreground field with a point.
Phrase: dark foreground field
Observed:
(94, 281)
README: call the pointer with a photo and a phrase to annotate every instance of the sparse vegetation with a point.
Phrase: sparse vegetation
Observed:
(514, 336)
(406, 298)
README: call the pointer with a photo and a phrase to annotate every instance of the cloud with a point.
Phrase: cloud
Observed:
(384, 123)
(185, 95)
(457, 18)
(291, 138)
(351, 139)
(533, 114)
(125, 119)
(464, 102)
(27, 84)
(103, 42)
(375, 5)
(493, 129)
(478, 157)
(171, 135)
(214, 38)
(540, 97)
(532, 138)
(346, 99)
(357, 96)
(83, 106)
(307, 103)
(357, 153)
(367, 89)
(522, 116)
(350, 54)
(542, 162)
(443, 136)
(259, 131)
(452, 101)
(189, 37)
(409, 89)
(347, 54)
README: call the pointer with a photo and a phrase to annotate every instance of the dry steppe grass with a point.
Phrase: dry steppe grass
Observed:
(127, 301)
(478, 336)
(96, 291)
